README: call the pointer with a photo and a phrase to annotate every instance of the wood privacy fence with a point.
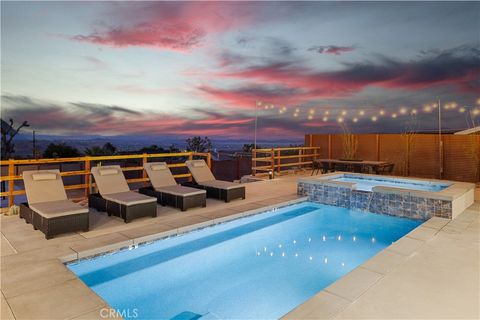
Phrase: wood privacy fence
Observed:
(79, 168)
(451, 157)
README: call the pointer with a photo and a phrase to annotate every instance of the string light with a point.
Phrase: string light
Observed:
(361, 112)
(374, 118)
(462, 109)
(310, 117)
(394, 115)
(325, 119)
(340, 120)
(476, 112)
(427, 108)
(414, 111)
(355, 119)
(382, 112)
(403, 110)
(344, 112)
(326, 112)
(311, 111)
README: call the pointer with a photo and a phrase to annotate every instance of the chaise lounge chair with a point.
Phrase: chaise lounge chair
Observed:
(218, 189)
(168, 192)
(48, 207)
(115, 196)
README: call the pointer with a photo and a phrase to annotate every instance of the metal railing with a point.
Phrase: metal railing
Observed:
(13, 173)
(269, 161)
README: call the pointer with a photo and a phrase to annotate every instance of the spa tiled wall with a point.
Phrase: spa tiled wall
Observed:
(402, 205)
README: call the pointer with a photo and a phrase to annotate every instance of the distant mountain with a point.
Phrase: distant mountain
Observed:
(24, 145)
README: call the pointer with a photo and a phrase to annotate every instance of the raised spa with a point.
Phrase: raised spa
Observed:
(258, 267)
(405, 197)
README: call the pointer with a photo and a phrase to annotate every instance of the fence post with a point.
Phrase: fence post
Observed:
(87, 177)
(377, 137)
(190, 157)
(279, 161)
(209, 160)
(11, 182)
(254, 162)
(272, 155)
(144, 162)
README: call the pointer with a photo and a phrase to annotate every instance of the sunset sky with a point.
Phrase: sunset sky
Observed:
(198, 68)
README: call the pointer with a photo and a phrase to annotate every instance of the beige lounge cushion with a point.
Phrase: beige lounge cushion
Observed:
(159, 174)
(181, 191)
(129, 198)
(44, 176)
(111, 181)
(60, 208)
(158, 166)
(107, 172)
(48, 188)
(220, 184)
(200, 171)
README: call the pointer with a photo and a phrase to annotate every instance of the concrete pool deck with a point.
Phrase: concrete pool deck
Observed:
(432, 272)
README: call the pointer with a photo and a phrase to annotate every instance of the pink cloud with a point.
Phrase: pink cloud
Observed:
(180, 26)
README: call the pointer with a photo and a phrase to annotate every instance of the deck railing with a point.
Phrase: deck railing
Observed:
(13, 173)
(269, 161)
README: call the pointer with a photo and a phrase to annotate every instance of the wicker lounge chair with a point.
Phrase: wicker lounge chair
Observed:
(168, 192)
(218, 189)
(115, 196)
(48, 207)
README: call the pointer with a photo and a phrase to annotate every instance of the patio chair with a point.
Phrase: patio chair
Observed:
(48, 208)
(168, 192)
(387, 169)
(218, 189)
(116, 198)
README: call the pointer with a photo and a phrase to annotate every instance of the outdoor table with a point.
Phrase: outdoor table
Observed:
(368, 166)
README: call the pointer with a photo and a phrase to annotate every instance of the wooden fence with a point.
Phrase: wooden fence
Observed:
(451, 157)
(16, 167)
(275, 160)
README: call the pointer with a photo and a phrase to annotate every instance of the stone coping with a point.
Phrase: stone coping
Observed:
(135, 242)
(455, 189)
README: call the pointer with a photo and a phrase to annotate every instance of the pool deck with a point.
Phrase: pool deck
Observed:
(433, 272)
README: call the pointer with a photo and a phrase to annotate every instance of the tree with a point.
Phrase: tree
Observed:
(248, 147)
(60, 150)
(152, 149)
(8, 133)
(107, 150)
(173, 148)
(199, 144)
(110, 148)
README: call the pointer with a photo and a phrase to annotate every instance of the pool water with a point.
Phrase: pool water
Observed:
(366, 184)
(261, 266)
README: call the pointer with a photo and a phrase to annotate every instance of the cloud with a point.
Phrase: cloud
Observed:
(173, 37)
(103, 110)
(82, 118)
(457, 68)
(177, 26)
(246, 96)
(335, 50)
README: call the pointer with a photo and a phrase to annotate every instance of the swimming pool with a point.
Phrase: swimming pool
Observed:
(261, 266)
(366, 183)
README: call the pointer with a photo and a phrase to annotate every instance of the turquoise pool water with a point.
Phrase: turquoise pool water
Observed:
(258, 267)
(367, 183)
